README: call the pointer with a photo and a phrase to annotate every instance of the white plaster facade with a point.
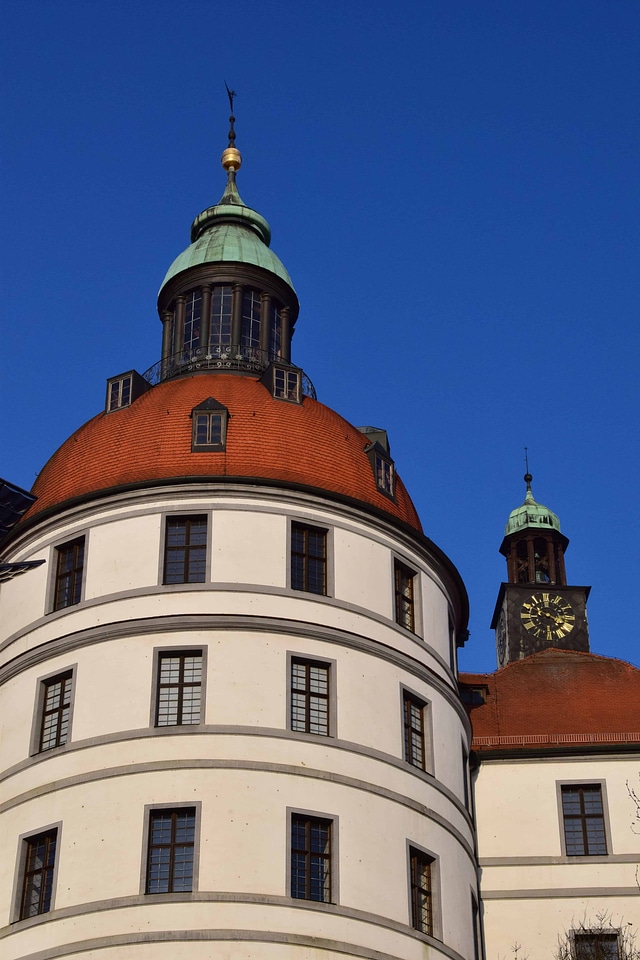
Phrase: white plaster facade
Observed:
(241, 767)
(532, 892)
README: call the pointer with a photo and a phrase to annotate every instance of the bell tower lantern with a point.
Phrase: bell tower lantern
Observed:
(536, 608)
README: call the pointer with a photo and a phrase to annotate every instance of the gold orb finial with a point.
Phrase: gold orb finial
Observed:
(231, 159)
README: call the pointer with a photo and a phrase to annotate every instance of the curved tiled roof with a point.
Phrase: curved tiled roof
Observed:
(267, 439)
(555, 699)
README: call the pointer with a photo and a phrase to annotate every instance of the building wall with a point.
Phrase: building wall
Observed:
(532, 891)
(242, 766)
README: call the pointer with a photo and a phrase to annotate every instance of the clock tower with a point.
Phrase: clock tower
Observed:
(536, 609)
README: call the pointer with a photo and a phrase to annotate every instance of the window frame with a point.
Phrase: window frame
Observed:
(158, 653)
(333, 821)
(209, 408)
(302, 523)
(415, 849)
(20, 872)
(42, 683)
(149, 810)
(181, 584)
(595, 934)
(56, 576)
(399, 565)
(330, 665)
(408, 695)
(573, 784)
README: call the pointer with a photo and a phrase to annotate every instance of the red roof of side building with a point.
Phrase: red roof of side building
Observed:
(267, 439)
(556, 699)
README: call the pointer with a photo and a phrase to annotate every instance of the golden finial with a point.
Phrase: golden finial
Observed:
(231, 158)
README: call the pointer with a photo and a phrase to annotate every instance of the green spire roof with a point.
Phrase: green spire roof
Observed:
(531, 514)
(230, 231)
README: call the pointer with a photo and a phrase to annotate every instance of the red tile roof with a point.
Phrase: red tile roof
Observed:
(556, 698)
(267, 439)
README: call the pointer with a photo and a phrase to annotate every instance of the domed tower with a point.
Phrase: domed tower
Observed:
(232, 719)
(536, 609)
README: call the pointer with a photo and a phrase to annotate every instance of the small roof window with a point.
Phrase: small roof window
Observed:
(124, 389)
(383, 468)
(284, 382)
(209, 432)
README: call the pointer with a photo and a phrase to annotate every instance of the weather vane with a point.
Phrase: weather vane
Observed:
(232, 133)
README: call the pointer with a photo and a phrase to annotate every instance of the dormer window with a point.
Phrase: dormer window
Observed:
(283, 383)
(209, 426)
(384, 474)
(124, 389)
(383, 468)
(286, 384)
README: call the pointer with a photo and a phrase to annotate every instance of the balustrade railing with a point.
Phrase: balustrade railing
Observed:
(231, 357)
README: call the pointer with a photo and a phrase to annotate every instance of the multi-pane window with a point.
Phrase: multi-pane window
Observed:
(404, 596)
(308, 558)
(208, 430)
(179, 688)
(286, 384)
(275, 332)
(192, 314)
(171, 850)
(310, 697)
(119, 393)
(220, 326)
(56, 708)
(310, 858)
(250, 325)
(421, 891)
(583, 817)
(384, 474)
(185, 551)
(414, 731)
(596, 945)
(69, 567)
(37, 884)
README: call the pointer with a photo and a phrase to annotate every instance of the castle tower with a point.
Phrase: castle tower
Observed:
(228, 678)
(536, 609)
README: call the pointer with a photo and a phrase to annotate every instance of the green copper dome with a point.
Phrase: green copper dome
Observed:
(531, 514)
(229, 232)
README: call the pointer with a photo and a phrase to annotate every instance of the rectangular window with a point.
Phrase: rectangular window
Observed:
(310, 858)
(192, 312)
(308, 558)
(208, 431)
(171, 850)
(421, 891)
(404, 598)
(583, 817)
(250, 323)
(119, 393)
(37, 883)
(286, 384)
(384, 474)
(179, 688)
(413, 710)
(310, 697)
(69, 569)
(596, 945)
(185, 550)
(56, 709)
(220, 329)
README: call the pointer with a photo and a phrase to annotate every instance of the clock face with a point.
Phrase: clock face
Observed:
(547, 616)
(501, 637)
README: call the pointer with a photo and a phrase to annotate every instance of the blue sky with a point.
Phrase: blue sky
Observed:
(453, 186)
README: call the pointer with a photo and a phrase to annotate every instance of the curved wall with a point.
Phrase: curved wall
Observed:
(242, 768)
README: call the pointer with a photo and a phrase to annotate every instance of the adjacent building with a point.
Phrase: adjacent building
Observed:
(556, 748)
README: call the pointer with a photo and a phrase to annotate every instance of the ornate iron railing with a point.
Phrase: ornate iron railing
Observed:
(220, 359)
